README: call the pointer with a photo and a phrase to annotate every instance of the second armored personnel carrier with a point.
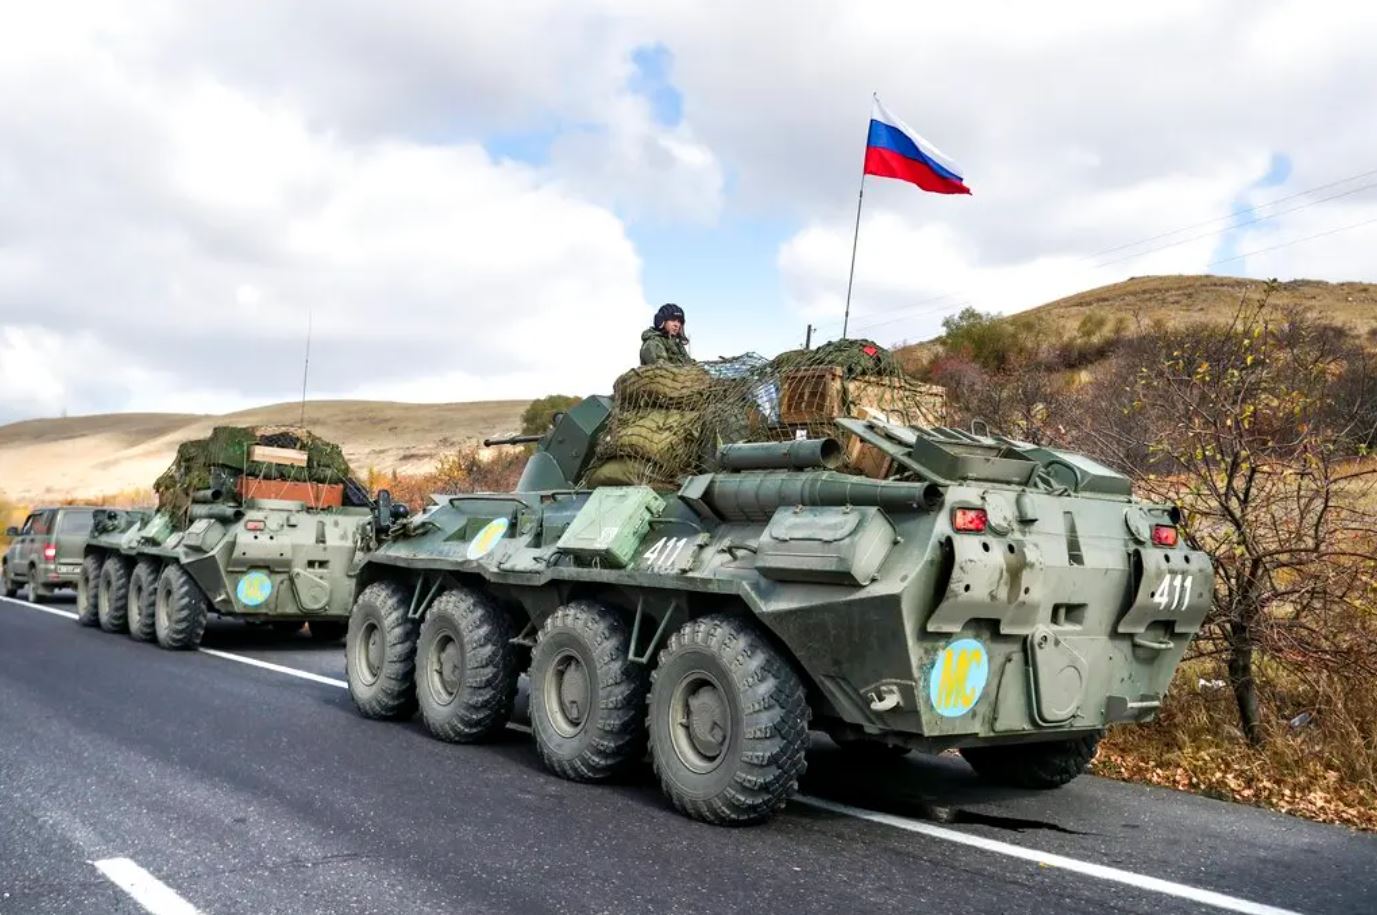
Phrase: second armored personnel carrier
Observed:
(262, 525)
(983, 594)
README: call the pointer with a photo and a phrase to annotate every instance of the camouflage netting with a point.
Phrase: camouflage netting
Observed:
(218, 462)
(669, 420)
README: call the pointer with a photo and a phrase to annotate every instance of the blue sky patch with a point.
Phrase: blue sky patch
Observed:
(1243, 219)
(651, 81)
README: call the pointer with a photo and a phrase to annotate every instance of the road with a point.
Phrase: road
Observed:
(199, 782)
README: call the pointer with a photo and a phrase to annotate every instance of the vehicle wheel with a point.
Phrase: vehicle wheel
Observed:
(179, 610)
(728, 722)
(143, 598)
(10, 588)
(88, 586)
(587, 696)
(112, 597)
(34, 593)
(1049, 764)
(466, 668)
(380, 653)
(325, 630)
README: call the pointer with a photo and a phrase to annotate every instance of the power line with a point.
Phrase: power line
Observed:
(1235, 215)
(1294, 241)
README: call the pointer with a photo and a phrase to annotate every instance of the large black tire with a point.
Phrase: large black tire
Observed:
(179, 610)
(112, 597)
(88, 587)
(380, 653)
(587, 696)
(1049, 764)
(728, 722)
(143, 600)
(466, 667)
(327, 630)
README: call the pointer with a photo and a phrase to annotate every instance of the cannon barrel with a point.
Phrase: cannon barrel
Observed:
(802, 454)
(756, 496)
(227, 513)
(207, 495)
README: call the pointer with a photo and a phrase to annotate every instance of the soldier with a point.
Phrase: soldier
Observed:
(665, 341)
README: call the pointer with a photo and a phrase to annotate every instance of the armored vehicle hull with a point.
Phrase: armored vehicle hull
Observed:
(1006, 600)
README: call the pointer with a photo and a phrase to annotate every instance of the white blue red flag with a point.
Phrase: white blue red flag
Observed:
(895, 150)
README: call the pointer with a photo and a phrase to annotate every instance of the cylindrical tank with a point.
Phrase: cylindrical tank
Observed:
(207, 495)
(227, 513)
(801, 454)
(756, 496)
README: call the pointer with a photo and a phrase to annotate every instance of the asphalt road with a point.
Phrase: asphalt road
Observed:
(229, 787)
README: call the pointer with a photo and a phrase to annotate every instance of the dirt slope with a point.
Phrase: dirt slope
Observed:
(86, 456)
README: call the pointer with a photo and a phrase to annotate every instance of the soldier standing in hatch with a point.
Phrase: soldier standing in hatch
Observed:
(665, 341)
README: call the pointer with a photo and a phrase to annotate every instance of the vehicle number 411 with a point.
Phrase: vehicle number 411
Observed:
(1174, 592)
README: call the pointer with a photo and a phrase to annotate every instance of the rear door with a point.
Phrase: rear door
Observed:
(73, 529)
(31, 536)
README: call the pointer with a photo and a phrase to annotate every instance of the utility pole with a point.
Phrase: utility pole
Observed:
(306, 368)
(808, 338)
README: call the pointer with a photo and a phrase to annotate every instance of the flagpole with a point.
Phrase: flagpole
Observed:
(855, 237)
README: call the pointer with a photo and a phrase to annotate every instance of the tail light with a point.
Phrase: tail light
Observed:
(969, 520)
(254, 525)
(50, 552)
(1164, 534)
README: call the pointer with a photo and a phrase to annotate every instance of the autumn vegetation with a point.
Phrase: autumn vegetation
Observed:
(1261, 428)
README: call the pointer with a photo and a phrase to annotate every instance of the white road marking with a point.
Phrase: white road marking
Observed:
(71, 615)
(148, 891)
(278, 668)
(1047, 859)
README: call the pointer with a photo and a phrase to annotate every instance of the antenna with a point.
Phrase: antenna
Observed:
(306, 368)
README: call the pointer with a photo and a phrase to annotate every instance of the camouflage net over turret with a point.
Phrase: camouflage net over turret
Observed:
(221, 461)
(668, 421)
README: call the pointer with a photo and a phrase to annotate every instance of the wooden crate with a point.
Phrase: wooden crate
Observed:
(267, 454)
(821, 394)
(315, 495)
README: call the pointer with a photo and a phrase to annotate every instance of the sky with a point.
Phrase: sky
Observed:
(472, 201)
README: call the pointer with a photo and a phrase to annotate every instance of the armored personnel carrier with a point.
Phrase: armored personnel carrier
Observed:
(261, 525)
(976, 592)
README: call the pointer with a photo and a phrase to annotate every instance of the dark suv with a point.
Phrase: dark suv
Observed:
(46, 552)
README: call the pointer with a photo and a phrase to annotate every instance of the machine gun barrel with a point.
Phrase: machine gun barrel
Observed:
(513, 440)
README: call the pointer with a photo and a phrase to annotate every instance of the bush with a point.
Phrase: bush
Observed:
(539, 414)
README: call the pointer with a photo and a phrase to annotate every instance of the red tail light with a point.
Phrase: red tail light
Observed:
(970, 520)
(1164, 534)
(253, 525)
(50, 552)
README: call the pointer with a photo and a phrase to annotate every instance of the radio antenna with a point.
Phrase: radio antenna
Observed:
(306, 368)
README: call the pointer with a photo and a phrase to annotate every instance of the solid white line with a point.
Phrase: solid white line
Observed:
(1047, 859)
(148, 891)
(53, 610)
(1085, 868)
(289, 671)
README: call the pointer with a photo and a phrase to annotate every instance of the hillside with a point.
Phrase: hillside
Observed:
(1195, 299)
(86, 456)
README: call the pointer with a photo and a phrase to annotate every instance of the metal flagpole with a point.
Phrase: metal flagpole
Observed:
(855, 237)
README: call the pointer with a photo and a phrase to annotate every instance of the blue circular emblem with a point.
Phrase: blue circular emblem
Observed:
(958, 677)
(253, 589)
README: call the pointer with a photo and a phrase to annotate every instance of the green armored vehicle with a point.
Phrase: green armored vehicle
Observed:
(982, 594)
(262, 525)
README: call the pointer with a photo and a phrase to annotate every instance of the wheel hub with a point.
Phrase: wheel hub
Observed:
(446, 668)
(701, 722)
(568, 693)
(370, 652)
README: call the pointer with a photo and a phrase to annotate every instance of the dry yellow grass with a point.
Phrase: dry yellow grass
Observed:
(85, 456)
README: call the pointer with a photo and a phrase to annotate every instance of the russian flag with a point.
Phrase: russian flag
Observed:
(895, 150)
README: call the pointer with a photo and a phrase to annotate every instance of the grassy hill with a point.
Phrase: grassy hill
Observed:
(1178, 300)
(86, 456)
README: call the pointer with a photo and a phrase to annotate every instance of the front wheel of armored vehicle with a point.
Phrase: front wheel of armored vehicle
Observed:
(179, 610)
(587, 695)
(112, 595)
(466, 669)
(380, 653)
(323, 630)
(88, 587)
(143, 598)
(728, 722)
(1049, 764)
